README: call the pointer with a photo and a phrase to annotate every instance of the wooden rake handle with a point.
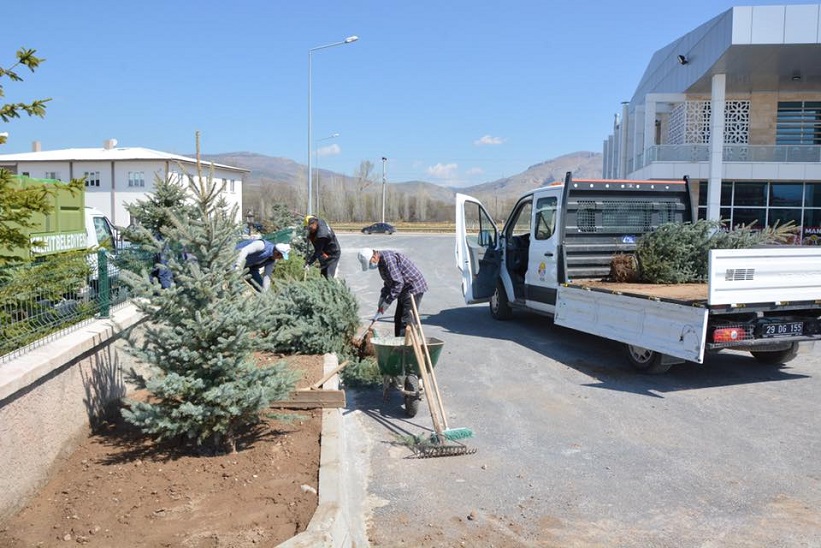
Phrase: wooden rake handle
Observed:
(412, 336)
(429, 363)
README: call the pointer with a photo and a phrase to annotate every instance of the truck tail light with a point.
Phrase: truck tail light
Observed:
(728, 334)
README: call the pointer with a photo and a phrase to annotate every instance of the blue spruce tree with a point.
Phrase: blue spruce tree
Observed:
(199, 339)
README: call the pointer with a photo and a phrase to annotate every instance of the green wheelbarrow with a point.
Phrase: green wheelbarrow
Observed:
(400, 370)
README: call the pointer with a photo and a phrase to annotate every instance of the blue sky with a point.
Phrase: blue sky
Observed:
(451, 92)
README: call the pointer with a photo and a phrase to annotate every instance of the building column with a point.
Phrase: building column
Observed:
(623, 148)
(716, 146)
(113, 217)
(650, 109)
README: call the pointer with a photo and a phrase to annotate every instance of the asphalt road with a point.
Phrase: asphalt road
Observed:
(573, 447)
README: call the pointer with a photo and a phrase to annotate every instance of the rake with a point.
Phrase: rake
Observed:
(437, 445)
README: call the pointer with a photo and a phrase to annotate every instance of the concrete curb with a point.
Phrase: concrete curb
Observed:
(331, 524)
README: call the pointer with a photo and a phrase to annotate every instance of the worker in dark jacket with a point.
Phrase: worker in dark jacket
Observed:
(326, 246)
(401, 278)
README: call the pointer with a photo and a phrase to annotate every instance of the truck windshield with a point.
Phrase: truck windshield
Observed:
(105, 237)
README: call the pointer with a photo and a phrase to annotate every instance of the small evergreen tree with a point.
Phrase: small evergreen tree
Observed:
(308, 317)
(679, 252)
(199, 341)
(156, 213)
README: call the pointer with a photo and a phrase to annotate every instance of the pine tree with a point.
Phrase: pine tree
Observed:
(199, 340)
(313, 316)
(155, 213)
(679, 252)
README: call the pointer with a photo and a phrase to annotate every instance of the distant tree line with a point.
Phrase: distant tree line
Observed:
(340, 203)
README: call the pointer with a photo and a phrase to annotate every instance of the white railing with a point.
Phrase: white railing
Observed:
(732, 153)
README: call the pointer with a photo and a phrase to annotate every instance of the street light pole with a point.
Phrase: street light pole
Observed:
(311, 51)
(316, 154)
(383, 187)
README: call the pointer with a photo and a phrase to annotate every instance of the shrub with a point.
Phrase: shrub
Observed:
(314, 316)
(679, 252)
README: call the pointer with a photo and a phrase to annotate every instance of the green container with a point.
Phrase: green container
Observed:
(395, 358)
(281, 236)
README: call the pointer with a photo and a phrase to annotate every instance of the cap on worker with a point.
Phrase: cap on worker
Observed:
(365, 255)
(284, 249)
(308, 220)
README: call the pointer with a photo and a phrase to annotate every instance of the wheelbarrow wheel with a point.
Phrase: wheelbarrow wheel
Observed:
(411, 402)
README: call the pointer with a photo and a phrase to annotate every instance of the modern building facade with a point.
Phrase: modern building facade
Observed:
(735, 105)
(116, 176)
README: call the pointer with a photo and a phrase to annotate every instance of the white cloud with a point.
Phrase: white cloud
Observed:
(330, 150)
(475, 171)
(488, 140)
(443, 171)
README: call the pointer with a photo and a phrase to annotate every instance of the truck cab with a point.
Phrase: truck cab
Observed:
(563, 232)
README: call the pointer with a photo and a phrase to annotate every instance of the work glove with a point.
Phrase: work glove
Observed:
(378, 314)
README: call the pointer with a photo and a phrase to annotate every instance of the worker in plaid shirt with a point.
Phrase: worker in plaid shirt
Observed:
(402, 279)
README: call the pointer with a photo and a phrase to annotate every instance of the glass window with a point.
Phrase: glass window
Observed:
(726, 214)
(105, 238)
(786, 194)
(521, 225)
(726, 193)
(812, 195)
(811, 231)
(798, 123)
(92, 178)
(750, 194)
(545, 217)
(136, 179)
(748, 216)
(783, 216)
(479, 229)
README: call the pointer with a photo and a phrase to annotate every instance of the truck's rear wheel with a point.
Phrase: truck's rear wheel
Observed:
(646, 361)
(778, 357)
(499, 305)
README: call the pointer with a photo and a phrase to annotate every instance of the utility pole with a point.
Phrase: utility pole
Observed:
(383, 187)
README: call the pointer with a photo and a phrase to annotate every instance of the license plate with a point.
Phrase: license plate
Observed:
(787, 329)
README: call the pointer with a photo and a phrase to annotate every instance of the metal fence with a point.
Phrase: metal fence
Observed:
(41, 300)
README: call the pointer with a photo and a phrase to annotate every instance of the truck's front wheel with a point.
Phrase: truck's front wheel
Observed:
(778, 357)
(499, 305)
(646, 361)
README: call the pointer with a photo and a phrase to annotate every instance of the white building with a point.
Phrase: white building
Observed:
(116, 176)
(735, 104)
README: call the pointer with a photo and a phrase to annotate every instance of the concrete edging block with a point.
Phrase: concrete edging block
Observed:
(330, 525)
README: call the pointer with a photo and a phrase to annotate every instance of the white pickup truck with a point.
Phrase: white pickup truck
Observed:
(555, 249)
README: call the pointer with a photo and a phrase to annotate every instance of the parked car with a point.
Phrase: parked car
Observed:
(377, 228)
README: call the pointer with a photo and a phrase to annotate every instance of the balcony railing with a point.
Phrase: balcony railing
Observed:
(732, 153)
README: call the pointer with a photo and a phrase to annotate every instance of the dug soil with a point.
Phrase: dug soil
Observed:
(120, 489)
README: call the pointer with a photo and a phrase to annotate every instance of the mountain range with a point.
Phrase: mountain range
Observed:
(283, 174)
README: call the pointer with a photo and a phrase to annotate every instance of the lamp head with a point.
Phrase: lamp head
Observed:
(682, 60)
(350, 39)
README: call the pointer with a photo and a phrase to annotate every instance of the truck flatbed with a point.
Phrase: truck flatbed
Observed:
(691, 293)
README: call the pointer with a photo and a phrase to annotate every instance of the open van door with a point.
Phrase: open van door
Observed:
(478, 256)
